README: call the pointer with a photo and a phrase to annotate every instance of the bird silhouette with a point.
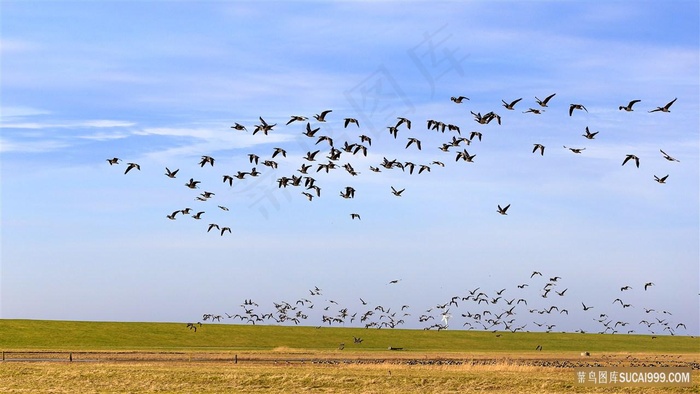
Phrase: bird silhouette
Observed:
(543, 103)
(278, 151)
(413, 141)
(351, 120)
(402, 120)
(192, 184)
(296, 118)
(666, 107)
(572, 107)
(660, 180)
(170, 174)
(322, 116)
(397, 193)
(667, 157)
(576, 150)
(590, 135)
(131, 166)
(205, 160)
(631, 157)
(628, 108)
(239, 127)
(511, 105)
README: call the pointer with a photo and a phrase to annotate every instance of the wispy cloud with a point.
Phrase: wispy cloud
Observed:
(101, 123)
(7, 112)
(32, 146)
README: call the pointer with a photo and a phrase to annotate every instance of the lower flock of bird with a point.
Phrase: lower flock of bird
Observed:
(500, 310)
(539, 303)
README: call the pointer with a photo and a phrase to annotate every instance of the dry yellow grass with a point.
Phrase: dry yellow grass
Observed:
(270, 377)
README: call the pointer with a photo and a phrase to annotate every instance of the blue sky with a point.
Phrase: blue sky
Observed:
(161, 83)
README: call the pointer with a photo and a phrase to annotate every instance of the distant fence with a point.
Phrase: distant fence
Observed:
(334, 359)
(86, 356)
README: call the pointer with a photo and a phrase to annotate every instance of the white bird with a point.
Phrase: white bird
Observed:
(446, 317)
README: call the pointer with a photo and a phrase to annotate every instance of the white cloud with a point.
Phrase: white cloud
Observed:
(21, 111)
(31, 146)
(103, 123)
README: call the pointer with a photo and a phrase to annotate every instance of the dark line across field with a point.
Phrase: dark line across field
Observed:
(333, 359)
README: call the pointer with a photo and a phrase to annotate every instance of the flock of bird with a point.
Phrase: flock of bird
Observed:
(330, 153)
(536, 304)
(305, 177)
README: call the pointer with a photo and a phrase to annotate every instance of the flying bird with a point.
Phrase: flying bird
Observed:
(402, 121)
(660, 180)
(239, 126)
(170, 174)
(543, 103)
(576, 150)
(205, 160)
(296, 118)
(459, 99)
(572, 107)
(503, 210)
(351, 120)
(464, 155)
(355, 216)
(192, 184)
(540, 147)
(412, 141)
(322, 116)
(132, 165)
(628, 108)
(511, 105)
(590, 135)
(666, 107)
(397, 193)
(112, 161)
(278, 151)
(631, 157)
(667, 157)
(647, 285)
(364, 138)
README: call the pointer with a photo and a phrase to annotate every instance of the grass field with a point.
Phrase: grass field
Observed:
(302, 359)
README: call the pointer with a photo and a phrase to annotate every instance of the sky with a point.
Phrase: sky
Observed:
(161, 84)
